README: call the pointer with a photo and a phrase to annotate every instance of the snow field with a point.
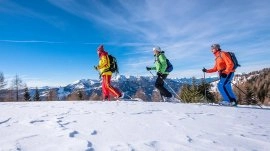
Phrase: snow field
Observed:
(131, 126)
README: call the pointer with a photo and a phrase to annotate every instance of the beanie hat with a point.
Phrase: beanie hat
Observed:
(157, 48)
(215, 46)
(100, 48)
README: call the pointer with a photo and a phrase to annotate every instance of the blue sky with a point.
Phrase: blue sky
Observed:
(53, 42)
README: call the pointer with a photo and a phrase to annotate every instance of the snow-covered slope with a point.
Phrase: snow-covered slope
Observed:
(131, 126)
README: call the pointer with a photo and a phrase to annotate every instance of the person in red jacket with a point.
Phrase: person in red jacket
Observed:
(224, 66)
(106, 74)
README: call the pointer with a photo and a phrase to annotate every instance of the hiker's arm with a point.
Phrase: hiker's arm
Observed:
(103, 62)
(214, 69)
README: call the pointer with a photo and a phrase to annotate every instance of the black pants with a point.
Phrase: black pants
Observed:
(160, 86)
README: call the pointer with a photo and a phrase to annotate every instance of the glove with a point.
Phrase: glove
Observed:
(96, 67)
(204, 70)
(148, 68)
(223, 75)
(159, 74)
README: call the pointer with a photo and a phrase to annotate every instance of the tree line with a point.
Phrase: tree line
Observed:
(19, 91)
(251, 88)
(14, 92)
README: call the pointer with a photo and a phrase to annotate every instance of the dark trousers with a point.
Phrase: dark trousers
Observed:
(160, 86)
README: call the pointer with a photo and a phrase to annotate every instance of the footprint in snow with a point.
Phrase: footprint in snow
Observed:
(60, 117)
(170, 124)
(37, 121)
(153, 144)
(18, 147)
(72, 134)
(89, 147)
(181, 119)
(144, 112)
(189, 139)
(89, 144)
(94, 132)
(5, 121)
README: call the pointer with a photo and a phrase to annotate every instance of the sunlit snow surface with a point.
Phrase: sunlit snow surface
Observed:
(131, 126)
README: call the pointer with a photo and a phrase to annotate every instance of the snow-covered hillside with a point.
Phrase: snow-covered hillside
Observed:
(131, 126)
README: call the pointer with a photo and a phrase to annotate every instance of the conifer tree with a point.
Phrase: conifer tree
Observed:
(80, 95)
(184, 94)
(36, 95)
(249, 96)
(2, 85)
(191, 93)
(204, 89)
(26, 94)
(2, 81)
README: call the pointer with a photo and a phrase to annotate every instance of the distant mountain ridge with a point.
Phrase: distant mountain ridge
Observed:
(127, 84)
(143, 87)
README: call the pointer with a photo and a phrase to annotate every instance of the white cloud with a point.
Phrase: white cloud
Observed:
(14, 8)
(184, 29)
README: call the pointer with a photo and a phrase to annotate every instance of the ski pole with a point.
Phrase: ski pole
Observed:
(124, 94)
(169, 87)
(246, 94)
(204, 82)
(151, 73)
(95, 67)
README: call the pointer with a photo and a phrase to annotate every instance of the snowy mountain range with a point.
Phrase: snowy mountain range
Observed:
(129, 85)
(132, 86)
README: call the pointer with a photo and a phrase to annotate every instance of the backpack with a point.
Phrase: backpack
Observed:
(169, 66)
(234, 59)
(113, 64)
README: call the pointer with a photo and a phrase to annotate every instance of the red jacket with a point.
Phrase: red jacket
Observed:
(223, 63)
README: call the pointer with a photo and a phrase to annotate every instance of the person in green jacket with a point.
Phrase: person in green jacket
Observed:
(160, 67)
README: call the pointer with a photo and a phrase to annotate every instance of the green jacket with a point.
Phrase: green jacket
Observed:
(160, 63)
